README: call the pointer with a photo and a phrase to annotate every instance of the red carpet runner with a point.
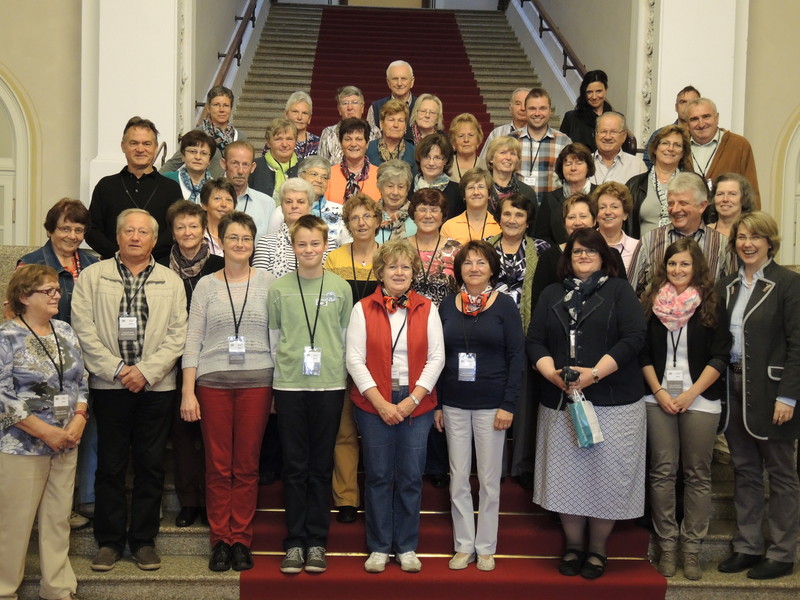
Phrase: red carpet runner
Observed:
(529, 542)
(355, 46)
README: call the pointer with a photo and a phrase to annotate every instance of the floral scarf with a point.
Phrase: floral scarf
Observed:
(185, 267)
(473, 305)
(392, 303)
(673, 309)
(222, 137)
(394, 224)
(578, 292)
(387, 154)
(352, 187)
(194, 190)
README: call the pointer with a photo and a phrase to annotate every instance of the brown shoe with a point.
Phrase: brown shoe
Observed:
(691, 566)
(147, 559)
(668, 563)
(105, 559)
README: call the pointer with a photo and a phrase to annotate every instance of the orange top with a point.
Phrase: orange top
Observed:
(337, 183)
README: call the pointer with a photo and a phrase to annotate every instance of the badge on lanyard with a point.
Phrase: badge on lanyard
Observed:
(61, 406)
(467, 366)
(398, 375)
(530, 180)
(674, 384)
(312, 361)
(128, 328)
(236, 349)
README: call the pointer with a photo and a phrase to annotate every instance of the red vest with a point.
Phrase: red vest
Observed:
(379, 348)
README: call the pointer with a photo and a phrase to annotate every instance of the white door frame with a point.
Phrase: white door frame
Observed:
(790, 209)
(21, 210)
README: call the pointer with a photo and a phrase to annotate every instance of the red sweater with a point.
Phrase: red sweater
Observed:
(379, 348)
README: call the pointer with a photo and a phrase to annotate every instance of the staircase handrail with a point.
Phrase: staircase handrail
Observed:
(234, 48)
(547, 25)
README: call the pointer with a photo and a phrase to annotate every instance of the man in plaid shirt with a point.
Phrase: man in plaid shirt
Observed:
(541, 144)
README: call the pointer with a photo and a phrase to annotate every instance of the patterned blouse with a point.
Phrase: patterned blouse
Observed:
(512, 268)
(29, 381)
(436, 281)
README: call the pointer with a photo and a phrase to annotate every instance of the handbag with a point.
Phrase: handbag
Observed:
(584, 420)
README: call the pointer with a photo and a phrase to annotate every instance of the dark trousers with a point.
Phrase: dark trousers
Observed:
(189, 455)
(134, 425)
(308, 424)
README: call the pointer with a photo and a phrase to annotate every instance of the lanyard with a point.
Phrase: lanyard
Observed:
(483, 229)
(59, 367)
(430, 264)
(360, 293)
(675, 347)
(467, 338)
(230, 297)
(708, 162)
(125, 187)
(458, 167)
(311, 332)
(129, 298)
(399, 333)
(535, 156)
(246, 202)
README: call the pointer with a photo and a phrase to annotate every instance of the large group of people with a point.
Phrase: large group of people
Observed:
(388, 290)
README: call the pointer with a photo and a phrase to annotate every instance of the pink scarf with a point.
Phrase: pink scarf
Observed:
(674, 310)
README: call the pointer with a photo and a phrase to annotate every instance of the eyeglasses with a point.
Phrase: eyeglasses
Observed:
(235, 239)
(196, 152)
(317, 175)
(429, 210)
(366, 218)
(435, 159)
(590, 252)
(49, 292)
(219, 105)
(666, 144)
(607, 132)
(351, 102)
(130, 231)
(66, 230)
(428, 113)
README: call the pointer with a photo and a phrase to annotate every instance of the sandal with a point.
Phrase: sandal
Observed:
(591, 570)
(572, 566)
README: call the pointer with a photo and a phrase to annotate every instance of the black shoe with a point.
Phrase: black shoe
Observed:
(203, 516)
(571, 567)
(220, 557)
(770, 569)
(347, 514)
(738, 562)
(187, 516)
(440, 481)
(592, 571)
(525, 481)
(241, 558)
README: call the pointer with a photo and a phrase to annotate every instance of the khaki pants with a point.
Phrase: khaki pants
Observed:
(345, 458)
(32, 486)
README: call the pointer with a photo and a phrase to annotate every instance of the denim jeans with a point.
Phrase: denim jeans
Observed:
(394, 460)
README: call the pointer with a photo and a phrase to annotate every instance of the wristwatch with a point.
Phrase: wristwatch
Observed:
(414, 398)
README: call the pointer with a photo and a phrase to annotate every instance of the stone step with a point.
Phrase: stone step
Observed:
(179, 578)
(723, 586)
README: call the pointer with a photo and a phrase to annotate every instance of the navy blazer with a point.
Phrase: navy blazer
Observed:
(771, 352)
(612, 322)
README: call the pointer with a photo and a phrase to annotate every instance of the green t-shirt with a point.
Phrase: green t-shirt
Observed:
(289, 330)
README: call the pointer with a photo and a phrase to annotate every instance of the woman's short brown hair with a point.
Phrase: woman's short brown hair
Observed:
(592, 239)
(758, 223)
(580, 152)
(71, 210)
(24, 281)
(428, 143)
(427, 197)
(185, 208)
(686, 159)
(220, 183)
(615, 189)
(360, 200)
(486, 250)
(390, 252)
(575, 199)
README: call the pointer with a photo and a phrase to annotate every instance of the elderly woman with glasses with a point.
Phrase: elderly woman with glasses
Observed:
(394, 182)
(43, 389)
(434, 156)
(197, 148)
(426, 117)
(317, 171)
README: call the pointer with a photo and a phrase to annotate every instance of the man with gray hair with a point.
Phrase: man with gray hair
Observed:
(350, 104)
(687, 198)
(400, 79)
(519, 117)
(610, 162)
(130, 316)
(715, 150)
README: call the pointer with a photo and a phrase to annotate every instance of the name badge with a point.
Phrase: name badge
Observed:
(467, 366)
(674, 382)
(236, 349)
(530, 180)
(312, 361)
(128, 328)
(398, 377)
(61, 406)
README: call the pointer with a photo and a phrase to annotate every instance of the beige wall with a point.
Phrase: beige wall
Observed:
(600, 38)
(41, 57)
(772, 110)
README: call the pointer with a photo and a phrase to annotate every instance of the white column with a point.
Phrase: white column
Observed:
(130, 66)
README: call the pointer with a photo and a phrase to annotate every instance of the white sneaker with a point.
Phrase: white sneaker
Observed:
(409, 562)
(376, 563)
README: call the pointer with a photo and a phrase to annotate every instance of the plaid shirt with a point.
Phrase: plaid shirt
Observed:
(131, 351)
(538, 161)
(654, 245)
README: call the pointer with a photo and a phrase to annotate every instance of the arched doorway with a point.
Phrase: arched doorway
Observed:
(15, 195)
(790, 209)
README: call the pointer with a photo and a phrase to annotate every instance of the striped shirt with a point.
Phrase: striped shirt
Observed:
(654, 245)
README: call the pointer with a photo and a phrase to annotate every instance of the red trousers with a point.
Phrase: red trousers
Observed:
(233, 422)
